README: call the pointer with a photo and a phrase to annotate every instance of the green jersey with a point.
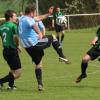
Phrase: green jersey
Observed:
(97, 45)
(7, 30)
(56, 15)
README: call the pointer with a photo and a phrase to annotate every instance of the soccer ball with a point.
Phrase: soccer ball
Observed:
(61, 20)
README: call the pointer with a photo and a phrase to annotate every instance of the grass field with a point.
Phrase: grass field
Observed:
(59, 78)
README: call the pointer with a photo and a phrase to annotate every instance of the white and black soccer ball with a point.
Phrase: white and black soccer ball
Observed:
(61, 20)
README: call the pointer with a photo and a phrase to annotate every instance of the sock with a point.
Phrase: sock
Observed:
(8, 78)
(11, 81)
(38, 73)
(58, 48)
(84, 67)
(62, 37)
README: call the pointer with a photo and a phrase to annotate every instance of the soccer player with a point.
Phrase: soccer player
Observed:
(35, 42)
(10, 41)
(58, 28)
(92, 54)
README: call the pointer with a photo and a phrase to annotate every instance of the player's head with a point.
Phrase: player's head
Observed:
(57, 9)
(10, 15)
(30, 10)
(21, 13)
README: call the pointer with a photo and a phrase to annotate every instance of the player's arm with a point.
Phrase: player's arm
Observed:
(93, 42)
(43, 31)
(96, 37)
(42, 27)
(16, 38)
(41, 17)
(35, 27)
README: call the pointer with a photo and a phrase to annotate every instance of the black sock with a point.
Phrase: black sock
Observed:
(62, 37)
(9, 78)
(11, 81)
(38, 73)
(83, 68)
(58, 48)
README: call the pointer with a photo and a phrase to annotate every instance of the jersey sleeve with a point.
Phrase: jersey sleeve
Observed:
(15, 29)
(31, 22)
(41, 25)
(98, 32)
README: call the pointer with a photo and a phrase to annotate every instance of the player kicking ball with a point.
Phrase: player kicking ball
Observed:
(92, 54)
(34, 41)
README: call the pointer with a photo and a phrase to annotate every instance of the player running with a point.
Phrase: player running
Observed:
(92, 54)
(10, 41)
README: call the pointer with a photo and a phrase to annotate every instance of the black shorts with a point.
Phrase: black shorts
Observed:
(93, 53)
(12, 58)
(58, 28)
(37, 52)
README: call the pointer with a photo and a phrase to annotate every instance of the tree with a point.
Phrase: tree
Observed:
(98, 5)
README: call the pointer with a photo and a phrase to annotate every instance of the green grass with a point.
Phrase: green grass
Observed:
(58, 77)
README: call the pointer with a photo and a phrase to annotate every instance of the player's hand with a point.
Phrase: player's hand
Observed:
(40, 36)
(93, 43)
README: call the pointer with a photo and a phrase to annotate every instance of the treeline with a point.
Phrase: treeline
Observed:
(67, 6)
(75, 7)
(72, 6)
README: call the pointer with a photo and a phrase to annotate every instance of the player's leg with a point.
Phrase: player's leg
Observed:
(15, 66)
(45, 43)
(7, 78)
(91, 55)
(57, 29)
(38, 73)
(38, 70)
(36, 55)
(58, 49)
(60, 33)
(16, 73)
(62, 36)
(12, 58)
(58, 36)
(84, 65)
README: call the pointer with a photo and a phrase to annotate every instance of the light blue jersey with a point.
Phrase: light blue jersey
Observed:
(41, 25)
(27, 34)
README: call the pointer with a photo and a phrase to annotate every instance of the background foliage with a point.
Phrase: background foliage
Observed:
(67, 6)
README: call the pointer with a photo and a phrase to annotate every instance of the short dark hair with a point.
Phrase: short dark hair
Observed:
(57, 6)
(30, 8)
(9, 14)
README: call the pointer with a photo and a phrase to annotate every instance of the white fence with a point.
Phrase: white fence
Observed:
(74, 15)
(71, 15)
